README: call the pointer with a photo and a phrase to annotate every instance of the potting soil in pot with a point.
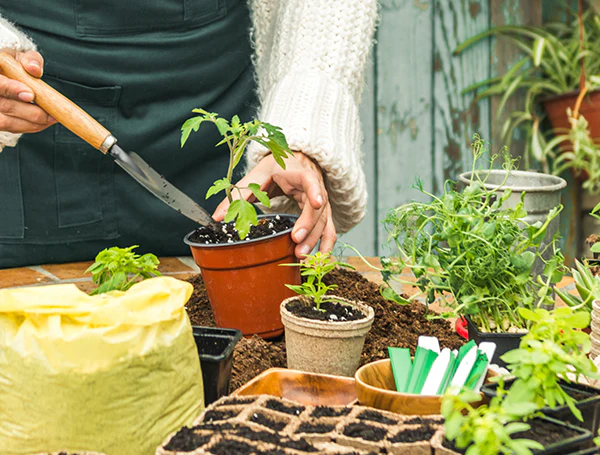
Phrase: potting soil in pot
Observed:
(268, 425)
(113, 373)
(394, 325)
(228, 233)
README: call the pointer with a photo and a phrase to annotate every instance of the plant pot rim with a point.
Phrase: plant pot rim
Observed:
(330, 325)
(465, 178)
(237, 243)
(493, 334)
(570, 94)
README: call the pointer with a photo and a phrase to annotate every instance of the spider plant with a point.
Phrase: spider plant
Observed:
(559, 58)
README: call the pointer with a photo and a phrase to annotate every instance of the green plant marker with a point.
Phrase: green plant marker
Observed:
(424, 358)
(449, 373)
(401, 367)
(479, 368)
(462, 352)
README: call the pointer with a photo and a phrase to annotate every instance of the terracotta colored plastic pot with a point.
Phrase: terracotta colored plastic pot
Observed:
(244, 282)
(556, 108)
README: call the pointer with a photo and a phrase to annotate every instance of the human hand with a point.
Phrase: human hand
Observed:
(302, 180)
(17, 113)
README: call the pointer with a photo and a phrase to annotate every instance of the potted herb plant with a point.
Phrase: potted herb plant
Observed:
(476, 255)
(239, 263)
(559, 72)
(505, 426)
(323, 333)
(117, 269)
(548, 364)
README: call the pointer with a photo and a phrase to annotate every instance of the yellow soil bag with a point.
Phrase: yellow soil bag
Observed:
(113, 373)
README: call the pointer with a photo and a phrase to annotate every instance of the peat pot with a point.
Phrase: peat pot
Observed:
(215, 349)
(542, 194)
(325, 347)
(587, 401)
(244, 281)
(504, 341)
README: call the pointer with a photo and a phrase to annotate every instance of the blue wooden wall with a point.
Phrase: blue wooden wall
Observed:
(416, 122)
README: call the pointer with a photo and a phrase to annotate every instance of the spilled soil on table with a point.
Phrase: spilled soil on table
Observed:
(394, 325)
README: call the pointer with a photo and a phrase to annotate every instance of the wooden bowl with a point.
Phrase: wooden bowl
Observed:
(310, 389)
(375, 387)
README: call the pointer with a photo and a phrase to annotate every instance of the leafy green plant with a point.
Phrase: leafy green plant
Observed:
(117, 269)
(314, 268)
(477, 256)
(487, 429)
(587, 285)
(559, 57)
(237, 136)
(552, 349)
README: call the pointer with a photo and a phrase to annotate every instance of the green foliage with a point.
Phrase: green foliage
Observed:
(587, 285)
(237, 136)
(487, 429)
(551, 66)
(553, 347)
(117, 269)
(466, 245)
(313, 269)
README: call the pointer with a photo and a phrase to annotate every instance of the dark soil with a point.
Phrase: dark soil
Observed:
(542, 431)
(213, 415)
(231, 447)
(262, 419)
(376, 417)
(329, 311)
(326, 411)
(318, 428)
(274, 438)
(208, 426)
(228, 233)
(364, 431)
(186, 440)
(394, 325)
(233, 401)
(278, 406)
(422, 433)
(421, 421)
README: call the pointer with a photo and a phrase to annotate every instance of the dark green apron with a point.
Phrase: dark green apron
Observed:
(139, 67)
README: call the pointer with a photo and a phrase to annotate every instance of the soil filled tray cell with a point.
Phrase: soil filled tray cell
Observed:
(363, 435)
(412, 440)
(270, 420)
(374, 415)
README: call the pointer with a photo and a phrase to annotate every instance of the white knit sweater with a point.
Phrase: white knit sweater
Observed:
(310, 57)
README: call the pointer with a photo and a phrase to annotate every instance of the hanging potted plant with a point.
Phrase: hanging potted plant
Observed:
(323, 333)
(559, 75)
(476, 255)
(239, 262)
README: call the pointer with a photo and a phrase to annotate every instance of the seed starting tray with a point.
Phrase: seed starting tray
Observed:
(262, 424)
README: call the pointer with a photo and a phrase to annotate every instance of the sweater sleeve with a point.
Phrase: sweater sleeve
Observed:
(310, 58)
(12, 38)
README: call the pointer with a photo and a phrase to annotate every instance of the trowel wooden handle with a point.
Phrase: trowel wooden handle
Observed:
(57, 105)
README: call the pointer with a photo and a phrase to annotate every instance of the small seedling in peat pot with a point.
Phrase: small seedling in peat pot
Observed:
(313, 269)
(237, 136)
(117, 269)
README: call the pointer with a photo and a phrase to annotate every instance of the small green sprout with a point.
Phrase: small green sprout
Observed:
(237, 136)
(117, 269)
(314, 268)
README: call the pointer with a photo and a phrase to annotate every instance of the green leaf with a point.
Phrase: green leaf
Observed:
(389, 294)
(262, 196)
(244, 214)
(218, 186)
(538, 50)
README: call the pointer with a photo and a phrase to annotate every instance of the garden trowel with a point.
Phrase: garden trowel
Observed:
(83, 125)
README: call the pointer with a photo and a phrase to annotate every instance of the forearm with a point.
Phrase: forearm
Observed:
(310, 60)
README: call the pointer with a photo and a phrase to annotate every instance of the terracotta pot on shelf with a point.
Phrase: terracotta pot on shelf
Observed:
(325, 347)
(245, 283)
(556, 108)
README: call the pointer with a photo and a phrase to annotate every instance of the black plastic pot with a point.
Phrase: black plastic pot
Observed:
(504, 341)
(215, 348)
(589, 407)
(566, 446)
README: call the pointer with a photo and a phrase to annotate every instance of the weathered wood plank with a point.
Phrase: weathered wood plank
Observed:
(404, 129)
(455, 117)
(364, 235)
(504, 56)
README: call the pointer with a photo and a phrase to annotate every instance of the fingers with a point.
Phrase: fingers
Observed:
(33, 62)
(329, 236)
(18, 126)
(15, 90)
